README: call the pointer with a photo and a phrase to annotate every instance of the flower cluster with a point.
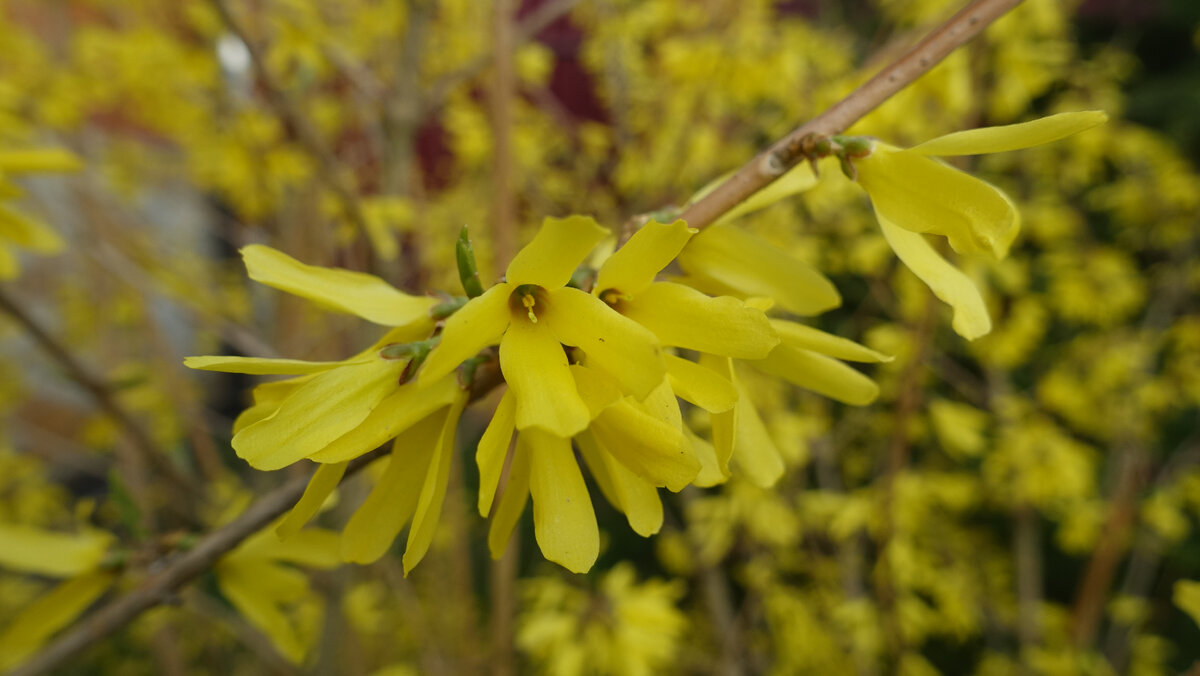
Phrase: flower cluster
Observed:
(600, 361)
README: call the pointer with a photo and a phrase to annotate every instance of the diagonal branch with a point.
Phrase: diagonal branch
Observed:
(175, 572)
(787, 152)
(101, 394)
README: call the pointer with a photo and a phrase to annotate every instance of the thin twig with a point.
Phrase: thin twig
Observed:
(100, 392)
(503, 92)
(786, 153)
(176, 571)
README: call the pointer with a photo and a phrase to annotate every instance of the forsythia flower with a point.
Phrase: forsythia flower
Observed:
(914, 193)
(17, 229)
(336, 411)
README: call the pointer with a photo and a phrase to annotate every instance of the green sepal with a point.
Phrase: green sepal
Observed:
(468, 272)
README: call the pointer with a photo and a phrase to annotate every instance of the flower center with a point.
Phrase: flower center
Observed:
(529, 300)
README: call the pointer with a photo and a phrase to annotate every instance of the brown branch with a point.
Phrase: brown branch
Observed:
(101, 394)
(786, 153)
(306, 132)
(502, 95)
(175, 571)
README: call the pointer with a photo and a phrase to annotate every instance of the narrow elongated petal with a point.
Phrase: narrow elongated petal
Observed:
(563, 519)
(257, 366)
(32, 550)
(754, 450)
(258, 590)
(648, 446)
(268, 397)
(433, 492)
(947, 282)
(724, 425)
(808, 338)
(400, 410)
(699, 385)
(31, 627)
(512, 501)
(711, 473)
(614, 344)
(921, 194)
(1012, 136)
(535, 367)
(316, 413)
(683, 317)
(821, 374)
(493, 449)
(797, 180)
(632, 267)
(320, 487)
(476, 325)
(20, 229)
(390, 505)
(38, 160)
(8, 262)
(556, 250)
(312, 548)
(754, 267)
(626, 491)
(355, 293)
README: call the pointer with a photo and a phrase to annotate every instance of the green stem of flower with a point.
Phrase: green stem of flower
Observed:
(446, 308)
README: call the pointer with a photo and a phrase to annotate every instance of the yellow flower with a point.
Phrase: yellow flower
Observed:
(532, 315)
(333, 412)
(914, 193)
(16, 228)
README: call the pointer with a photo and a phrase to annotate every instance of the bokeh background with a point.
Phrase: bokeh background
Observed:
(1026, 503)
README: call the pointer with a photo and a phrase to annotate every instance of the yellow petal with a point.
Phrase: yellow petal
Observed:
(626, 491)
(821, 374)
(632, 267)
(650, 447)
(724, 425)
(476, 325)
(683, 317)
(493, 449)
(390, 505)
(38, 160)
(754, 267)
(535, 368)
(513, 497)
(267, 399)
(947, 282)
(346, 291)
(921, 194)
(32, 550)
(620, 347)
(433, 492)
(556, 250)
(257, 590)
(313, 548)
(597, 390)
(797, 180)
(801, 336)
(258, 366)
(320, 487)
(317, 413)
(8, 262)
(396, 413)
(711, 473)
(24, 231)
(563, 519)
(699, 385)
(1012, 136)
(31, 627)
(754, 450)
